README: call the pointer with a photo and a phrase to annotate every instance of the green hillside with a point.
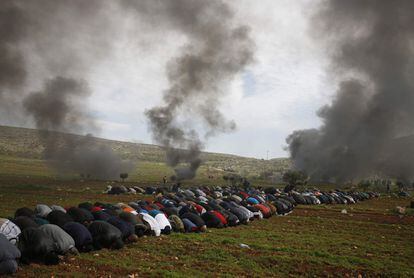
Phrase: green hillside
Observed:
(20, 145)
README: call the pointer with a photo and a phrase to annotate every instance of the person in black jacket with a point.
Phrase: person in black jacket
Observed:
(231, 218)
(80, 215)
(126, 228)
(24, 212)
(24, 222)
(81, 236)
(101, 215)
(211, 220)
(136, 221)
(59, 218)
(105, 235)
(37, 246)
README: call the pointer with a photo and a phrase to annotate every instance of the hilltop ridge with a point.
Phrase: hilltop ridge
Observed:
(27, 143)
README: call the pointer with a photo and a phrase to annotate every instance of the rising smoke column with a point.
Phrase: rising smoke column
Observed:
(56, 42)
(60, 106)
(368, 128)
(12, 70)
(216, 50)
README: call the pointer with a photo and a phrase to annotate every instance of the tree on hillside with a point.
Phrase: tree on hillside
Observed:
(294, 179)
(232, 179)
(364, 184)
(123, 176)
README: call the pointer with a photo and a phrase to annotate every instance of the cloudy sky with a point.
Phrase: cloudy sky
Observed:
(280, 92)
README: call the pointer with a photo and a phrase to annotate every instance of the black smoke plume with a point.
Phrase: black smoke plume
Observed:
(52, 44)
(12, 71)
(215, 51)
(368, 128)
(60, 106)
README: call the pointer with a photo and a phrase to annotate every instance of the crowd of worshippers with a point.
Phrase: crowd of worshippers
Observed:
(316, 197)
(45, 233)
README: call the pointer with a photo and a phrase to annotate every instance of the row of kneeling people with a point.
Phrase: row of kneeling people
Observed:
(44, 233)
(316, 197)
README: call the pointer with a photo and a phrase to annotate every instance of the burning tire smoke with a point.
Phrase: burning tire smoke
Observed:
(215, 52)
(60, 107)
(52, 33)
(368, 128)
(53, 44)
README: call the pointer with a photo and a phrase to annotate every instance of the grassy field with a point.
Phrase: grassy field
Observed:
(371, 240)
(145, 172)
(27, 143)
(314, 240)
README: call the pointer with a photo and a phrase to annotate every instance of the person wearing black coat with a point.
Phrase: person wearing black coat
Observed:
(59, 218)
(289, 199)
(323, 198)
(80, 215)
(299, 199)
(37, 246)
(24, 212)
(231, 218)
(24, 222)
(187, 209)
(205, 206)
(240, 214)
(224, 204)
(211, 220)
(170, 211)
(129, 217)
(281, 207)
(136, 221)
(105, 235)
(81, 236)
(127, 229)
(8, 256)
(101, 215)
(86, 205)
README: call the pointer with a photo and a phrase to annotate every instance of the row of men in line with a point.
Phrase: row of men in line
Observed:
(42, 234)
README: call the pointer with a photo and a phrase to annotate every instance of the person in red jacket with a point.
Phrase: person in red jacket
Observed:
(220, 216)
(264, 210)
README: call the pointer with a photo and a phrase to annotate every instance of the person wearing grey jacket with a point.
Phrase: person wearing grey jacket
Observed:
(64, 242)
(8, 256)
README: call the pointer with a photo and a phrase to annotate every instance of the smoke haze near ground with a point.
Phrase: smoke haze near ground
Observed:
(51, 45)
(367, 128)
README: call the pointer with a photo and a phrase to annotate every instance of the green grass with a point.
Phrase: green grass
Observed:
(17, 166)
(314, 240)
(370, 239)
(27, 143)
(281, 246)
(146, 172)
